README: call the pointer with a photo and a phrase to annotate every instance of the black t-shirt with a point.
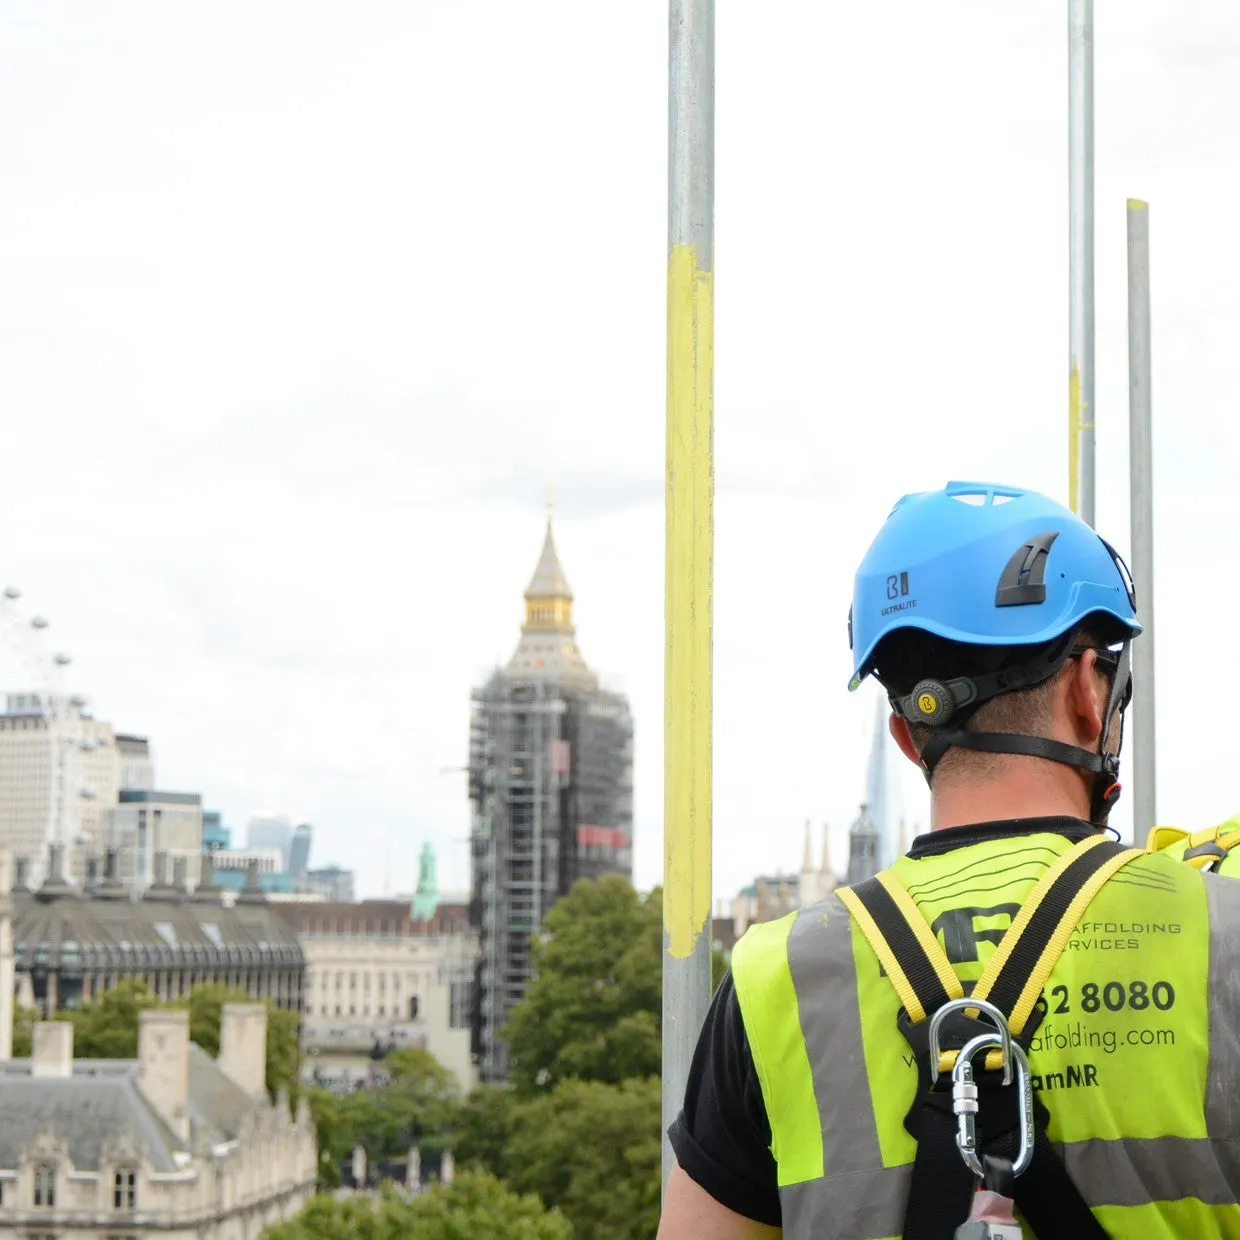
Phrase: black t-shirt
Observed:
(722, 1136)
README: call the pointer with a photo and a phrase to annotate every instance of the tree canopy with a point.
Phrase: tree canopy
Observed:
(594, 1006)
(594, 1010)
(594, 1150)
(471, 1207)
(416, 1105)
(484, 1125)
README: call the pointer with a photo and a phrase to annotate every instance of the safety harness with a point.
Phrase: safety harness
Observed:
(1204, 850)
(1012, 982)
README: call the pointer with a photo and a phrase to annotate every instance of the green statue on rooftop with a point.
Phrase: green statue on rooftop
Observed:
(426, 899)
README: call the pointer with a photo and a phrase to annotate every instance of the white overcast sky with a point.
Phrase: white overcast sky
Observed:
(303, 305)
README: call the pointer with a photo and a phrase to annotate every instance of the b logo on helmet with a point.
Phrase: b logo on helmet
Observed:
(928, 704)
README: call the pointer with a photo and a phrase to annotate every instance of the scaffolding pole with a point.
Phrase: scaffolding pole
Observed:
(1141, 506)
(1081, 415)
(690, 545)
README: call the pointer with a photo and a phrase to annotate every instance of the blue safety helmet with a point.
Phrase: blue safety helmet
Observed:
(984, 565)
(1000, 567)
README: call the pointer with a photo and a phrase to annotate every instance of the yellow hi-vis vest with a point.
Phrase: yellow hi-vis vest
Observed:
(1137, 1057)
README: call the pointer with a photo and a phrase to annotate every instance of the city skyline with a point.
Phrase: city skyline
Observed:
(277, 427)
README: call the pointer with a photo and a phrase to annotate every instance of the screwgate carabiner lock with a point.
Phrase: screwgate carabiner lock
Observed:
(983, 1008)
(965, 1105)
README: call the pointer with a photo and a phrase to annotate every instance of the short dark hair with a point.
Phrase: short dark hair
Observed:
(908, 656)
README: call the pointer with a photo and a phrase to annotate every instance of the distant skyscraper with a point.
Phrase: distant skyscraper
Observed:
(877, 789)
(270, 833)
(551, 782)
(299, 850)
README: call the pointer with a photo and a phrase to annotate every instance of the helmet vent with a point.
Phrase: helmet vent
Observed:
(1024, 579)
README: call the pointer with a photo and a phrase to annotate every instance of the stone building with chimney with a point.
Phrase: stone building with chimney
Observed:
(174, 1142)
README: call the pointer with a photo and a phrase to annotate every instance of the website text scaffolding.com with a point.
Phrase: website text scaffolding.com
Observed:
(1076, 1035)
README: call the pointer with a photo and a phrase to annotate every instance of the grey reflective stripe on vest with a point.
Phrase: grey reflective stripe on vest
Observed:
(867, 1205)
(1223, 1080)
(857, 1196)
(1133, 1172)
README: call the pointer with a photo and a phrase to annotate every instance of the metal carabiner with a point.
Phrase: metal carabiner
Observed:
(982, 1006)
(965, 1104)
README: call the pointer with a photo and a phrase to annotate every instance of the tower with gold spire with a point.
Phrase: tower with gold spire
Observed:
(551, 792)
(548, 646)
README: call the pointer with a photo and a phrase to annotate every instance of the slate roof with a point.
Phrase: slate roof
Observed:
(64, 929)
(100, 1104)
(95, 1107)
(217, 1104)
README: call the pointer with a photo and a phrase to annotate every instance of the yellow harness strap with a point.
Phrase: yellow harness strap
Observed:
(1016, 974)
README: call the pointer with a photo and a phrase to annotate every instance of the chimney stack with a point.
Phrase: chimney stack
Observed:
(243, 1045)
(163, 1066)
(23, 873)
(180, 870)
(53, 1049)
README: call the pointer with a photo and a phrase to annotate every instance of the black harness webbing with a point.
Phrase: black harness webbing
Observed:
(942, 1185)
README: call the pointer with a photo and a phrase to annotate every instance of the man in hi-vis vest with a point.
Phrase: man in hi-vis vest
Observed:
(820, 1101)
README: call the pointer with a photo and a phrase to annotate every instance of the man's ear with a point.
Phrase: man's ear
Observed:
(1086, 698)
(898, 727)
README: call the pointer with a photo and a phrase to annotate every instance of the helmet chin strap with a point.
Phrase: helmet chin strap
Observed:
(1103, 766)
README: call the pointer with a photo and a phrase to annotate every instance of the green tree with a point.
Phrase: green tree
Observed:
(354, 1218)
(335, 1135)
(472, 1207)
(594, 1010)
(594, 1151)
(107, 1027)
(483, 1129)
(418, 1104)
(24, 1019)
(476, 1205)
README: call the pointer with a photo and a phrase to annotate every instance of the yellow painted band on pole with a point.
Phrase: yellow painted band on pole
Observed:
(1074, 438)
(687, 770)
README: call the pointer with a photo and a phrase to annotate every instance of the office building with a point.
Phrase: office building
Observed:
(331, 882)
(147, 823)
(551, 787)
(380, 979)
(215, 835)
(59, 776)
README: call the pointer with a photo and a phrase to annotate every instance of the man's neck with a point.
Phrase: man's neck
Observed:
(1028, 793)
